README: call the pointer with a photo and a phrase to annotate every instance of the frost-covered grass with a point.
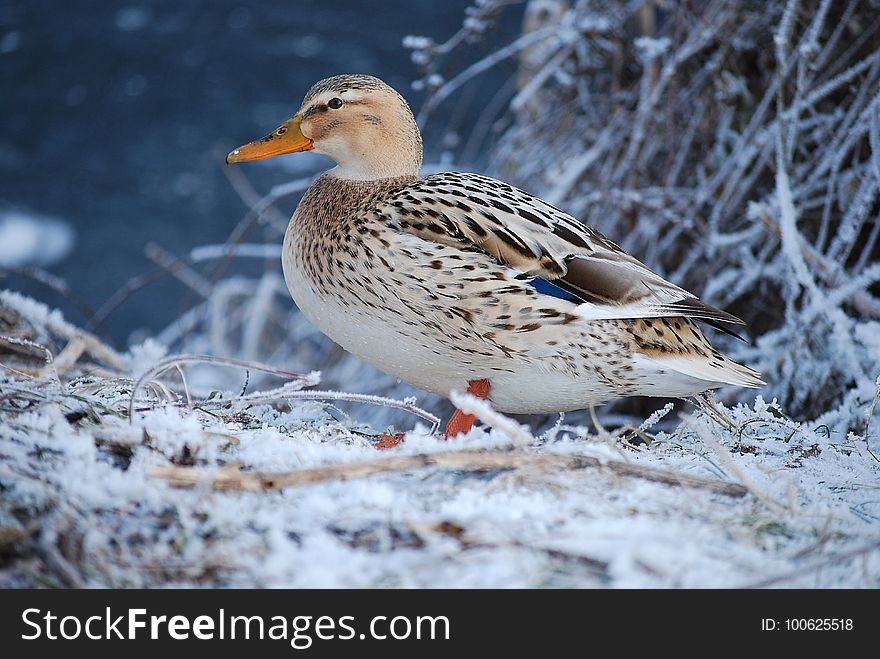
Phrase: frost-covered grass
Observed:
(288, 492)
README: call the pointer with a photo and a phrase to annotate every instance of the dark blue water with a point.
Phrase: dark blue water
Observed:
(115, 117)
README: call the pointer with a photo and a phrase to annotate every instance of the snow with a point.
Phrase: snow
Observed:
(30, 239)
(650, 48)
(143, 356)
(83, 480)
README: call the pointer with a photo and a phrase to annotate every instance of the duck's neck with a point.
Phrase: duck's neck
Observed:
(387, 152)
(332, 202)
(374, 172)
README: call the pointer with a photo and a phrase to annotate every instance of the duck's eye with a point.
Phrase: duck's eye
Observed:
(334, 103)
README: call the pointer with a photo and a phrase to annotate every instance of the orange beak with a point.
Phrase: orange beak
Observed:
(287, 138)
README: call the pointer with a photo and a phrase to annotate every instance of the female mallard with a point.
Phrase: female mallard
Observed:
(458, 280)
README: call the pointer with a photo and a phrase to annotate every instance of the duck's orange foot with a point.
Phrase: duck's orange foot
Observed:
(461, 422)
(387, 441)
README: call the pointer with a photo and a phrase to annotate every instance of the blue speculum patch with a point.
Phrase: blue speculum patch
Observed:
(547, 288)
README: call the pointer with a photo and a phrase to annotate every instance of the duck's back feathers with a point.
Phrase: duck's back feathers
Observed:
(523, 232)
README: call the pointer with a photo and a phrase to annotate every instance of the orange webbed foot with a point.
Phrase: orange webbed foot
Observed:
(387, 441)
(461, 422)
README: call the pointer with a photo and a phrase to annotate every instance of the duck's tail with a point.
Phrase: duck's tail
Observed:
(674, 350)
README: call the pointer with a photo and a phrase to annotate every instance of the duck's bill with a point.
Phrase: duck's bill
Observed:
(287, 138)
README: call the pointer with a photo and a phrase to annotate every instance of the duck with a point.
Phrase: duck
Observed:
(457, 281)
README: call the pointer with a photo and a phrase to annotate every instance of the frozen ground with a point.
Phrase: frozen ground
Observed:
(290, 492)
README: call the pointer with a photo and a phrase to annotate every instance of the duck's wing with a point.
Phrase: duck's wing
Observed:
(525, 233)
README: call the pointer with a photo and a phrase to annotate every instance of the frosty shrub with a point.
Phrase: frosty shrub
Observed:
(732, 146)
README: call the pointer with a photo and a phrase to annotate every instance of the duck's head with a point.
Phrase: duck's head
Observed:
(357, 120)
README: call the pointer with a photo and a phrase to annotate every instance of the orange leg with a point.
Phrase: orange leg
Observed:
(387, 441)
(461, 422)
(458, 424)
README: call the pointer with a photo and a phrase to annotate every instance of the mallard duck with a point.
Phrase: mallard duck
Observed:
(458, 281)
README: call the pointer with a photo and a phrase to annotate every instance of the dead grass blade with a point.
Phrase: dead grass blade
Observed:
(232, 479)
